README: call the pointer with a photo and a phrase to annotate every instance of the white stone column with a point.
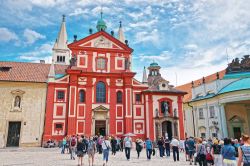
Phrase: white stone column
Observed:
(223, 121)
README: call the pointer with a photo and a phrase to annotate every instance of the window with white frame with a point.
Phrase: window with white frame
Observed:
(101, 63)
(201, 114)
(212, 111)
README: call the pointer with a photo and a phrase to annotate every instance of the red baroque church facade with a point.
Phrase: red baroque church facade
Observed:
(99, 95)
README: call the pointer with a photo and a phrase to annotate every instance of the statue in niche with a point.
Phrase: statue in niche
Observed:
(165, 108)
(17, 101)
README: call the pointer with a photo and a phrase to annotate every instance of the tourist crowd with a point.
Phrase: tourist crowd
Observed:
(226, 152)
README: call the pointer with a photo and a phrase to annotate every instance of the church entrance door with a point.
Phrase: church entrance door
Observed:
(13, 134)
(167, 129)
(100, 127)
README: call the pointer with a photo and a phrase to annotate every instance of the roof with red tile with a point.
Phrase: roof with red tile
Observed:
(188, 87)
(27, 72)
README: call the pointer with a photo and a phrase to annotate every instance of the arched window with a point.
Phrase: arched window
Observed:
(100, 92)
(17, 102)
(119, 97)
(81, 96)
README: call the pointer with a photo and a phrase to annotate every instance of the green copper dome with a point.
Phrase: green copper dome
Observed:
(154, 64)
(101, 25)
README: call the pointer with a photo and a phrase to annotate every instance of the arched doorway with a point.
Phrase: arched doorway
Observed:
(167, 129)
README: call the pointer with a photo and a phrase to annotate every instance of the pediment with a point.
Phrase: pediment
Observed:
(63, 79)
(100, 108)
(100, 40)
(236, 119)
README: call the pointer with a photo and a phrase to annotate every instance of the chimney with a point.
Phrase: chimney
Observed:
(42, 61)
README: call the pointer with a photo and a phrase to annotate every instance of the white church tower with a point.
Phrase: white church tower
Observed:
(61, 52)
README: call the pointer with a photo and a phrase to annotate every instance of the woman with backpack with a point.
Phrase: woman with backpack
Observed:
(81, 151)
(91, 150)
(228, 153)
(210, 155)
(201, 153)
(244, 151)
(217, 150)
(106, 147)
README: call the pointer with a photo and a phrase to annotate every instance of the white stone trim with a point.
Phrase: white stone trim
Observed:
(122, 127)
(55, 110)
(62, 89)
(86, 61)
(143, 127)
(116, 63)
(83, 126)
(78, 116)
(71, 100)
(117, 117)
(53, 127)
(142, 111)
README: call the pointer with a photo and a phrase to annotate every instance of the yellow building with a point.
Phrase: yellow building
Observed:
(23, 88)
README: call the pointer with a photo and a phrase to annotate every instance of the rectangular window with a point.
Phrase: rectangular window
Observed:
(58, 126)
(138, 98)
(63, 59)
(101, 63)
(212, 111)
(201, 115)
(214, 135)
(203, 135)
(60, 95)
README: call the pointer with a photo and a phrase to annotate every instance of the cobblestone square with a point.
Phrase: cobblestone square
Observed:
(52, 157)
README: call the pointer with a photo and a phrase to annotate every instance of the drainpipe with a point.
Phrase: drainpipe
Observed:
(192, 117)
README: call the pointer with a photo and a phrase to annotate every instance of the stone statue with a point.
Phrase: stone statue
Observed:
(73, 61)
(17, 101)
(165, 108)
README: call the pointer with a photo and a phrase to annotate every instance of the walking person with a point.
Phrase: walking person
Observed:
(175, 147)
(106, 147)
(190, 147)
(228, 153)
(72, 146)
(167, 146)
(81, 151)
(128, 146)
(160, 144)
(138, 147)
(244, 151)
(99, 144)
(91, 150)
(149, 148)
(113, 145)
(121, 145)
(217, 152)
(64, 142)
(201, 152)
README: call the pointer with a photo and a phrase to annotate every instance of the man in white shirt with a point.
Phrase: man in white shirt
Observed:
(128, 145)
(175, 146)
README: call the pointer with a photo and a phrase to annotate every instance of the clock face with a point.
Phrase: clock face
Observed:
(101, 42)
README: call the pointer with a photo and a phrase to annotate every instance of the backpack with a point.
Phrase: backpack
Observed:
(209, 157)
(73, 142)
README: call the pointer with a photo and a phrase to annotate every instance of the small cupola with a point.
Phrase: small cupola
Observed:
(101, 24)
(154, 69)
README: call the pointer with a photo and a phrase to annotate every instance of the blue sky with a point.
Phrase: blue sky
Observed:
(189, 39)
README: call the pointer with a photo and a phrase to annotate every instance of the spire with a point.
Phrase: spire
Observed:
(121, 34)
(61, 41)
(144, 77)
(51, 76)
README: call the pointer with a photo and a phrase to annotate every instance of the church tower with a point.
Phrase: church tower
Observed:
(61, 52)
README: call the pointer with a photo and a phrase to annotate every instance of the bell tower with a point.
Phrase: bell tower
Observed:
(60, 51)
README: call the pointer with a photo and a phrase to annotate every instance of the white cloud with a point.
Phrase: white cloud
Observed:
(6, 35)
(79, 11)
(44, 52)
(32, 36)
(145, 36)
(164, 56)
